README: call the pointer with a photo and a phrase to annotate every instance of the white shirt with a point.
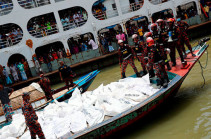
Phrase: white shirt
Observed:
(13, 70)
(76, 17)
(93, 44)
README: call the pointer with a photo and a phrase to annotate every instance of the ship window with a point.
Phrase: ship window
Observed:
(187, 10)
(10, 34)
(137, 25)
(164, 14)
(28, 4)
(80, 43)
(128, 6)
(158, 1)
(50, 52)
(103, 9)
(6, 7)
(73, 17)
(108, 39)
(43, 25)
(19, 58)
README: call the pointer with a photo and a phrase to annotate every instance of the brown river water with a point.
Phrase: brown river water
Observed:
(186, 116)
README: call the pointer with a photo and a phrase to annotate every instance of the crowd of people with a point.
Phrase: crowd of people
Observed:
(33, 3)
(42, 25)
(99, 11)
(73, 17)
(19, 72)
(10, 36)
(187, 12)
(5, 6)
(161, 39)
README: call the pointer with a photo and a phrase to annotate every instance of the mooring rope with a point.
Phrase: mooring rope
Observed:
(202, 69)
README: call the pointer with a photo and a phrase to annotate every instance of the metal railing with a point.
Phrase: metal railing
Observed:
(132, 7)
(33, 3)
(158, 1)
(5, 8)
(42, 32)
(10, 41)
(72, 24)
(105, 15)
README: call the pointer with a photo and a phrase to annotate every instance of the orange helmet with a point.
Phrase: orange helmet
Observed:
(148, 34)
(153, 25)
(160, 21)
(170, 20)
(150, 41)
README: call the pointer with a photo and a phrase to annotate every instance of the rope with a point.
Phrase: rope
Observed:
(202, 70)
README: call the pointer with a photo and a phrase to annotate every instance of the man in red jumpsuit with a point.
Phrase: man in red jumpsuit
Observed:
(174, 31)
(183, 26)
(45, 84)
(157, 61)
(140, 52)
(126, 55)
(31, 118)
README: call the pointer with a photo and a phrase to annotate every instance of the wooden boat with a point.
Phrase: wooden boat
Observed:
(37, 98)
(122, 120)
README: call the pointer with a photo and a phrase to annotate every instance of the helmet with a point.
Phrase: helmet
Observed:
(170, 20)
(153, 25)
(148, 34)
(134, 36)
(159, 21)
(120, 41)
(150, 41)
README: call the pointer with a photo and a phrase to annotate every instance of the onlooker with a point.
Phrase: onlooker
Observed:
(37, 65)
(5, 101)
(22, 71)
(14, 72)
(93, 44)
(8, 80)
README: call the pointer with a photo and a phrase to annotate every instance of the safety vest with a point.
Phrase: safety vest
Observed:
(174, 32)
(126, 52)
(157, 37)
(138, 49)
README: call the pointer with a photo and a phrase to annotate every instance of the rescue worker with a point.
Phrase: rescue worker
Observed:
(174, 43)
(45, 84)
(126, 57)
(66, 74)
(31, 118)
(140, 52)
(149, 64)
(160, 39)
(183, 26)
(157, 61)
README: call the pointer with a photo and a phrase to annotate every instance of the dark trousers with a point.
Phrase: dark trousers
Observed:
(172, 47)
(185, 41)
(35, 129)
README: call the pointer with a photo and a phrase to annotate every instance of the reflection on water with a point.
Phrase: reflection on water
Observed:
(188, 115)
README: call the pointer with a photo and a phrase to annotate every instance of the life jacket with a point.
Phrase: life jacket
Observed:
(156, 37)
(126, 52)
(153, 52)
(164, 34)
(138, 49)
(174, 32)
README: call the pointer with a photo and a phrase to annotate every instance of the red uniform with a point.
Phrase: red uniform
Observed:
(46, 87)
(125, 58)
(183, 26)
(31, 121)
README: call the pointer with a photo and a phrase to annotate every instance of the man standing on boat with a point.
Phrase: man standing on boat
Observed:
(5, 92)
(31, 118)
(126, 57)
(174, 42)
(183, 26)
(66, 74)
(158, 63)
(140, 51)
(45, 84)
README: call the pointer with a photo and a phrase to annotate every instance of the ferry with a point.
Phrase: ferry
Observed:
(72, 31)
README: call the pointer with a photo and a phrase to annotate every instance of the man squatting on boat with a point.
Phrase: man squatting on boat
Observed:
(152, 52)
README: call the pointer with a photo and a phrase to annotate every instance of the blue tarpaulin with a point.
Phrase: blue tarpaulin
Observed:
(98, 2)
(110, 27)
(136, 19)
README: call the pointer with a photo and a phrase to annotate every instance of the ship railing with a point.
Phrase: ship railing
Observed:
(42, 32)
(33, 3)
(5, 8)
(72, 24)
(158, 1)
(10, 41)
(132, 7)
(105, 15)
